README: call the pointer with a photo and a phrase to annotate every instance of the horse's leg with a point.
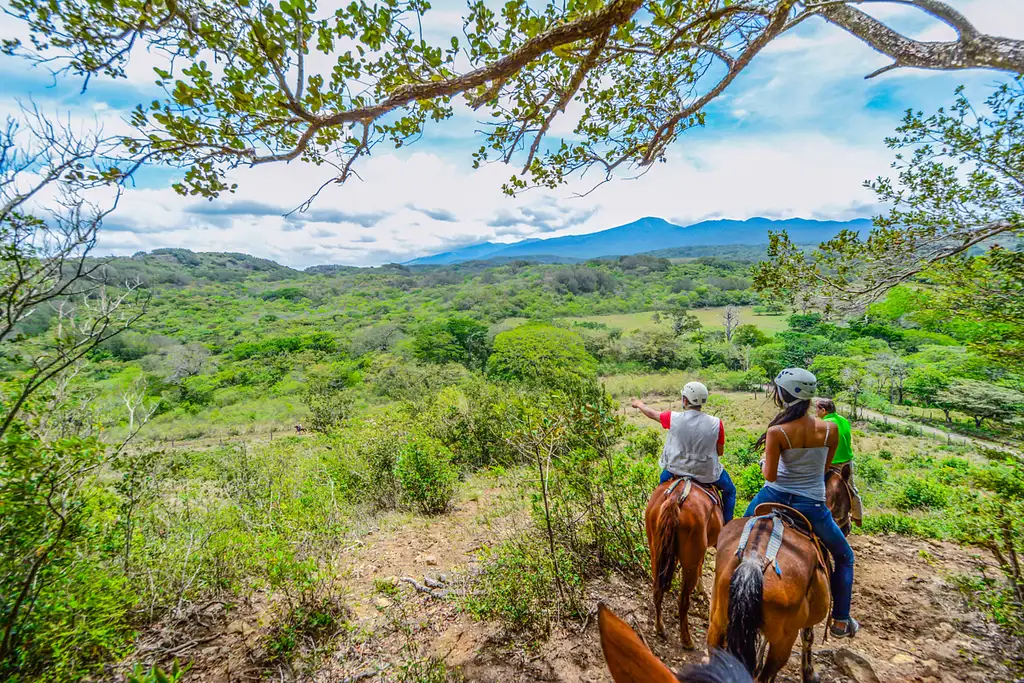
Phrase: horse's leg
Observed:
(691, 575)
(778, 654)
(807, 656)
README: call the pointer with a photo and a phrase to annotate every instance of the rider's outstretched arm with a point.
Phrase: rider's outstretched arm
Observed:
(646, 409)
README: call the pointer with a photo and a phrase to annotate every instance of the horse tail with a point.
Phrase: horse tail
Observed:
(745, 596)
(667, 530)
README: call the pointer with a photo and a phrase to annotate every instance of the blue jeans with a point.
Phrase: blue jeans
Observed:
(728, 492)
(828, 531)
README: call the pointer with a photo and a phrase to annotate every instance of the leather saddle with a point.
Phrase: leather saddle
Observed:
(710, 490)
(795, 520)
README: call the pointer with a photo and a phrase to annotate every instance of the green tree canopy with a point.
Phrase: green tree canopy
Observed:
(541, 355)
(982, 400)
(749, 335)
(959, 185)
(253, 82)
(454, 340)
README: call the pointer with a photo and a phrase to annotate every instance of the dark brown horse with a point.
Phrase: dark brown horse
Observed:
(683, 520)
(631, 661)
(752, 598)
(838, 495)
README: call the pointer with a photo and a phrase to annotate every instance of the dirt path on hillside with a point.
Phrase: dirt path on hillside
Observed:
(950, 437)
(916, 626)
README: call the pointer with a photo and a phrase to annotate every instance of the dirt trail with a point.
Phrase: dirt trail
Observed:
(916, 626)
(951, 437)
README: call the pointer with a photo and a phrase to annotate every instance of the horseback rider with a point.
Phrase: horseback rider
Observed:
(694, 444)
(797, 452)
(826, 410)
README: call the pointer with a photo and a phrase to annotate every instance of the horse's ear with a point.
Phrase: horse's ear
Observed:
(846, 471)
(629, 660)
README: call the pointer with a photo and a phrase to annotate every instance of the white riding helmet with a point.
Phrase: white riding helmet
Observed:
(696, 393)
(798, 383)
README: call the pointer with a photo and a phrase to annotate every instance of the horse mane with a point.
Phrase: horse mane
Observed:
(723, 668)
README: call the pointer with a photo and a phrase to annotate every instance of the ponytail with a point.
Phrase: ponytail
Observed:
(790, 409)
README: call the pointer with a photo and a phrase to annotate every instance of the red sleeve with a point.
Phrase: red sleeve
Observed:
(666, 419)
(721, 433)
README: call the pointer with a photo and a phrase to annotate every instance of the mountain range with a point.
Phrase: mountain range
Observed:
(647, 235)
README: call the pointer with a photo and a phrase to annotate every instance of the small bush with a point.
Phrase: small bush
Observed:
(885, 454)
(748, 481)
(869, 470)
(918, 494)
(889, 523)
(953, 470)
(644, 444)
(426, 475)
(517, 586)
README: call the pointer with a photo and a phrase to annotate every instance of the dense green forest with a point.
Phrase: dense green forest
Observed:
(413, 379)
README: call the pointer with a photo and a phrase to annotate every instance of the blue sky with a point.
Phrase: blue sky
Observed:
(796, 135)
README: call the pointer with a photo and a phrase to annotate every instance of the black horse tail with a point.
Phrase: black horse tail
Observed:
(745, 596)
(723, 668)
(668, 527)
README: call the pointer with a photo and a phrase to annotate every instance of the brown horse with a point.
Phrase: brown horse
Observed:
(683, 520)
(631, 661)
(838, 496)
(750, 598)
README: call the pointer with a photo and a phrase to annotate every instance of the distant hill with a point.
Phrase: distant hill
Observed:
(651, 235)
(183, 266)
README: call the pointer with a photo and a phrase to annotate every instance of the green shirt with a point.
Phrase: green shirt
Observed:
(844, 450)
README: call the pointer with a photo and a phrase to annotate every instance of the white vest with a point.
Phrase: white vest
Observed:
(691, 447)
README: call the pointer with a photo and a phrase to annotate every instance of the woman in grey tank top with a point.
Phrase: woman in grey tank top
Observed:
(797, 450)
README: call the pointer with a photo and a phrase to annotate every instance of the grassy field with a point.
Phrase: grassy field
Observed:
(710, 318)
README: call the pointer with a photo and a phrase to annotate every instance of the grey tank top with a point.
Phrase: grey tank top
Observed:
(802, 470)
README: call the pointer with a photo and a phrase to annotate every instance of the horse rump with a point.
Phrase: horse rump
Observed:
(746, 593)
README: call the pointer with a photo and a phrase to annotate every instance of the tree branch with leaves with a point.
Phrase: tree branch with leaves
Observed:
(248, 83)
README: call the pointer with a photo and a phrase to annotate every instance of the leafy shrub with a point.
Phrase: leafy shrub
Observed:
(455, 340)
(541, 355)
(869, 470)
(426, 475)
(517, 586)
(952, 470)
(885, 454)
(748, 481)
(328, 408)
(158, 675)
(917, 494)
(287, 293)
(644, 444)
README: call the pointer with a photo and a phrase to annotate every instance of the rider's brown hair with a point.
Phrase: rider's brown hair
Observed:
(788, 413)
(826, 404)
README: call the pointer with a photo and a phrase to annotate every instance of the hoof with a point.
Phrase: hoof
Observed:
(813, 678)
(660, 630)
(688, 645)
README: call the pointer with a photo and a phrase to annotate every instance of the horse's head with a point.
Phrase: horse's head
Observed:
(631, 661)
(837, 495)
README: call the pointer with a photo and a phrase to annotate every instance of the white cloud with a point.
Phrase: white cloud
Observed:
(806, 133)
(381, 219)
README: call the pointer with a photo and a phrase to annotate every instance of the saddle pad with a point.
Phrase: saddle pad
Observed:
(774, 541)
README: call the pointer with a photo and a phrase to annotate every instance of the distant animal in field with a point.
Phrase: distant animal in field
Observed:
(838, 496)
(683, 520)
(776, 585)
(299, 429)
(631, 661)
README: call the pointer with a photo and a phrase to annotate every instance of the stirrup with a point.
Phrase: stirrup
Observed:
(848, 630)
